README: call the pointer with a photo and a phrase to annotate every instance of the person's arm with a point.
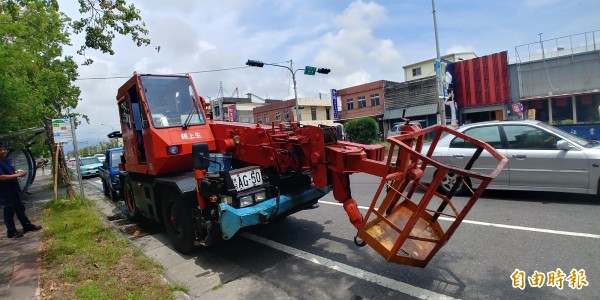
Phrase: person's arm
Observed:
(7, 177)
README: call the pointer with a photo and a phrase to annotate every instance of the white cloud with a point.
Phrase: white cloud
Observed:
(362, 15)
(359, 41)
(460, 48)
(387, 58)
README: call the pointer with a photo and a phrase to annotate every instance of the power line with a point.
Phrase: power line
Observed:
(180, 73)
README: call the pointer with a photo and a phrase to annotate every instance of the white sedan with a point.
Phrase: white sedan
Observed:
(541, 157)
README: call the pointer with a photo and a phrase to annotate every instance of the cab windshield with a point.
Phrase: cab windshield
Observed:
(171, 101)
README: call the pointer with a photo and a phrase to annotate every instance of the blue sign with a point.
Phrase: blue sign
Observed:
(334, 104)
(586, 131)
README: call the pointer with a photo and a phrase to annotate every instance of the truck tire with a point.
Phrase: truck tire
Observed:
(105, 188)
(130, 202)
(177, 218)
(114, 196)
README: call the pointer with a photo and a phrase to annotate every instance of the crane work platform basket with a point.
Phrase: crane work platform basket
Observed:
(403, 224)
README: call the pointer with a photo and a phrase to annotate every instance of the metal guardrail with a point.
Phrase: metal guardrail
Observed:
(557, 47)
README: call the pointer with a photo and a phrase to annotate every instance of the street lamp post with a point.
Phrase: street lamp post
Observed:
(111, 126)
(308, 70)
(295, 90)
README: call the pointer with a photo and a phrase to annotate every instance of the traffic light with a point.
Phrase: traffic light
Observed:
(255, 63)
(323, 71)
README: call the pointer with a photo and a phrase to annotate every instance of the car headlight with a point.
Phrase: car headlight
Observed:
(173, 150)
(260, 196)
(246, 201)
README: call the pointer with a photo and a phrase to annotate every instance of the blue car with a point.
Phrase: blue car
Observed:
(89, 166)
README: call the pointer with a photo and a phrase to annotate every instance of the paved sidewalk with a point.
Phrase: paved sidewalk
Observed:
(19, 258)
(206, 277)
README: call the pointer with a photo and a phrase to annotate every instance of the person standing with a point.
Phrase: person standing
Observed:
(43, 165)
(10, 198)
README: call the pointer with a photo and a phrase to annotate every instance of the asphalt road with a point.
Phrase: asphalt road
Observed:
(311, 255)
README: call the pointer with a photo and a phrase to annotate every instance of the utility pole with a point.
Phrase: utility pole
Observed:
(77, 160)
(437, 48)
(437, 42)
(295, 90)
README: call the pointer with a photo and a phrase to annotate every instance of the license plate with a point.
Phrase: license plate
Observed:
(245, 180)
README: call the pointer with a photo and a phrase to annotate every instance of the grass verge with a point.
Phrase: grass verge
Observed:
(83, 259)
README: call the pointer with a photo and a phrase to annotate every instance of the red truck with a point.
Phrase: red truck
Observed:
(205, 179)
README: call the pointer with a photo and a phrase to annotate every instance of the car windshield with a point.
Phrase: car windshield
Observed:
(575, 139)
(89, 161)
(171, 101)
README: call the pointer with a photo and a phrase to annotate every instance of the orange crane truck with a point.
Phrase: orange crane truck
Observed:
(204, 180)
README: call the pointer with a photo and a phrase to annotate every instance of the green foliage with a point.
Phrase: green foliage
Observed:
(105, 17)
(562, 122)
(36, 82)
(363, 130)
(89, 261)
(94, 149)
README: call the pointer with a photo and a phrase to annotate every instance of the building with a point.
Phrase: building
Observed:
(426, 68)
(388, 102)
(237, 109)
(365, 100)
(558, 83)
(558, 80)
(415, 99)
(482, 88)
(311, 111)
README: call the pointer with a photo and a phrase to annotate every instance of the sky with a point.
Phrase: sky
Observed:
(360, 41)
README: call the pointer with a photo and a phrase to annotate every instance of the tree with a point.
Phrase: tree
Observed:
(36, 81)
(102, 19)
(363, 130)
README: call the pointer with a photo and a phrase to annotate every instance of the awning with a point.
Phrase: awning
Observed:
(421, 110)
(470, 110)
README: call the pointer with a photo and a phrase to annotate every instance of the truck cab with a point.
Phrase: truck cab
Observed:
(109, 173)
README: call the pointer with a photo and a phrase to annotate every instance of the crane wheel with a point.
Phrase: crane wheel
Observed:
(130, 201)
(178, 222)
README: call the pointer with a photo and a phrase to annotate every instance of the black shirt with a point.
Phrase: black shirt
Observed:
(9, 189)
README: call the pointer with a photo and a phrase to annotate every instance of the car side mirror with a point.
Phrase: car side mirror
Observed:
(144, 124)
(563, 145)
(200, 156)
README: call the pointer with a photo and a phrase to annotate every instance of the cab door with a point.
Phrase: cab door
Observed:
(536, 163)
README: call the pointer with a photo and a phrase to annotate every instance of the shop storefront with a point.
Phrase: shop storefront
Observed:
(572, 109)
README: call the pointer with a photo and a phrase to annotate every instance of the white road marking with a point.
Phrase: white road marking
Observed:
(349, 270)
(569, 233)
